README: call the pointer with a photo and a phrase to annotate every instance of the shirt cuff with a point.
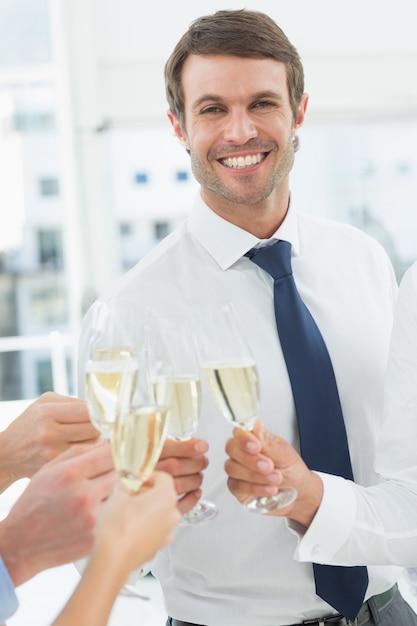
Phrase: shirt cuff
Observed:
(332, 524)
(8, 598)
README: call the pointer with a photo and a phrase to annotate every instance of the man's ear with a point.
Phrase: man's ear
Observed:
(178, 130)
(302, 108)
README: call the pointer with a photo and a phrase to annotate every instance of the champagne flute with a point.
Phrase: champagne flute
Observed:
(113, 341)
(172, 340)
(232, 377)
(141, 424)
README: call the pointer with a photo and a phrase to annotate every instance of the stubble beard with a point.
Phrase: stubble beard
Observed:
(247, 192)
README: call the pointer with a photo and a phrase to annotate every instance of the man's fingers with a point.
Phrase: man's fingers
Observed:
(185, 484)
(105, 484)
(72, 451)
(244, 491)
(92, 459)
(182, 466)
(189, 500)
(190, 448)
(71, 412)
(75, 433)
(98, 460)
(258, 474)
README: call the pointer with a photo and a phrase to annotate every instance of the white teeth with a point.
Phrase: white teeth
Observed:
(241, 161)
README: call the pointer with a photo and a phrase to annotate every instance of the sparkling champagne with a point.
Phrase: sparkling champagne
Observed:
(138, 438)
(102, 385)
(112, 354)
(234, 385)
(185, 406)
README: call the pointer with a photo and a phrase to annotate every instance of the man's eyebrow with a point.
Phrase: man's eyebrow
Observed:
(275, 95)
(207, 97)
(260, 95)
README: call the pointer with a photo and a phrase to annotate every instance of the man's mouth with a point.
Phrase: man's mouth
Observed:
(240, 162)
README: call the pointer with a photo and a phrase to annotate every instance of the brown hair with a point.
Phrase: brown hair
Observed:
(241, 33)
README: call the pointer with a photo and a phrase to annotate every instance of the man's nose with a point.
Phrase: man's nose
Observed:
(239, 127)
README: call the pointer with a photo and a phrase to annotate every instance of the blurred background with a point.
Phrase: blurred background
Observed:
(91, 176)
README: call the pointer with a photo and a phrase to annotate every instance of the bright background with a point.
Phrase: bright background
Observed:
(91, 176)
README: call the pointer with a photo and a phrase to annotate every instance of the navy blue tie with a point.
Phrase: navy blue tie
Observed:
(323, 440)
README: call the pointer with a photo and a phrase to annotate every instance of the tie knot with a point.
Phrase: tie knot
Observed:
(275, 259)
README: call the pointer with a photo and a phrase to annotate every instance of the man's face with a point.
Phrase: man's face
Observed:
(238, 128)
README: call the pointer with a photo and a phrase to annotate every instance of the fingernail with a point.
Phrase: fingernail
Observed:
(263, 466)
(273, 477)
(251, 446)
(200, 446)
(270, 491)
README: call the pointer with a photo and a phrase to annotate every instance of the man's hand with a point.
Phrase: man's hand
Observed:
(260, 463)
(46, 428)
(54, 520)
(185, 461)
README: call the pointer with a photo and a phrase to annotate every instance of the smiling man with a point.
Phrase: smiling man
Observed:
(235, 89)
(240, 134)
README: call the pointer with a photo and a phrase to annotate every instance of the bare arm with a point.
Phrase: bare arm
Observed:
(131, 530)
(46, 428)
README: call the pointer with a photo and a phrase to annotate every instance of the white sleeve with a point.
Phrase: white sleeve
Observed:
(374, 525)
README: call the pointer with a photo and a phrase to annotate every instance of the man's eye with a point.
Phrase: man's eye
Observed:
(211, 109)
(264, 104)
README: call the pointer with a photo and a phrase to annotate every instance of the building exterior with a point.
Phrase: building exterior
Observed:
(91, 175)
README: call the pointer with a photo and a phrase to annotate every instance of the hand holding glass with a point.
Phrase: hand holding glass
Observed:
(232, 377)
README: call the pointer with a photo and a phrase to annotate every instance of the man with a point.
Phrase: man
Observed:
(236, 98)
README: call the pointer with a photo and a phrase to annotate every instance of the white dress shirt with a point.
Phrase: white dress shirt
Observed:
(241, 567)
(384, 526)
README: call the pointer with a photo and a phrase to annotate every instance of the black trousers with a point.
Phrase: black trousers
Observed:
(397, 613)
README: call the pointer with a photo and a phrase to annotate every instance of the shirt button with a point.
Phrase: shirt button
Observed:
(316, 549)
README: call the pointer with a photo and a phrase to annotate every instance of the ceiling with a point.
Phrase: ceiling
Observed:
(360, 57)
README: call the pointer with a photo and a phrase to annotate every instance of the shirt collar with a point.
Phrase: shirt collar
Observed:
(227, 243)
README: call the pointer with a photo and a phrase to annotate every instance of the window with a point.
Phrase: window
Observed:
(47, 303)
(125, 229)
(10, 376)
(50, 249)
(24, 33)
(49, 187)
(161, 230)
(182, 176)
(29, 122)
(141, 178)
(44, 376)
